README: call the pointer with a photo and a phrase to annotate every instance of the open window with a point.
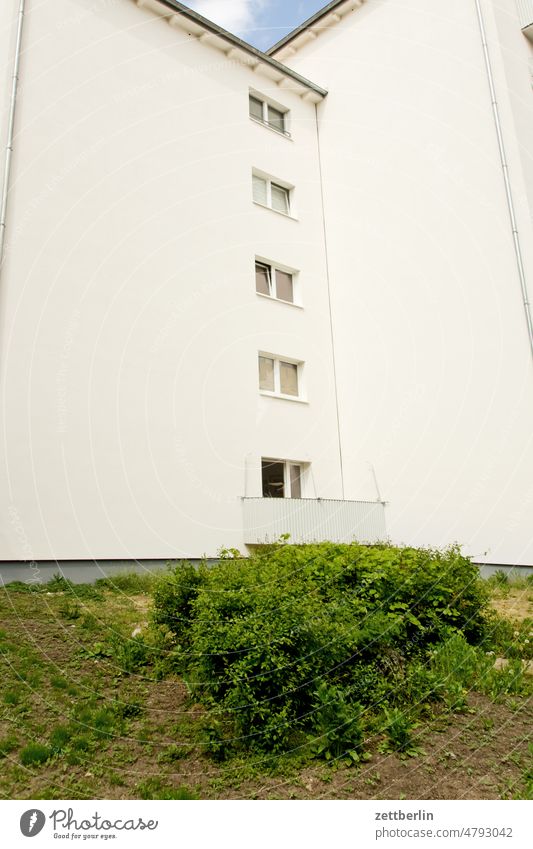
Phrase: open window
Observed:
(282, 478)
(275, 282)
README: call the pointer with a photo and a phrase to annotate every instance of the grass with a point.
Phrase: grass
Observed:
(88, 710)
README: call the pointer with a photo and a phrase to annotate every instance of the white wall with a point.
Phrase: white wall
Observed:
(130, 323)
(435, 372)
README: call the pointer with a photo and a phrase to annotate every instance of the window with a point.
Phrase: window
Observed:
(273, 116)
(275, 282)
(279, 377)
(271, 194)
(281, 479)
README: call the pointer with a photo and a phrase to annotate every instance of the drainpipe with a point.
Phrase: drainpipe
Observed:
(11, 130)
(505, 170)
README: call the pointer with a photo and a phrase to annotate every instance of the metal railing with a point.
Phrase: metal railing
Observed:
(312, 520)
(525, 12)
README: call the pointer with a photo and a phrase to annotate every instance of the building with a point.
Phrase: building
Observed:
(246, 294)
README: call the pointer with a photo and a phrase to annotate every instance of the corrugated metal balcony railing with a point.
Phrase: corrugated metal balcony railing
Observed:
(525, 12)
(312, 520)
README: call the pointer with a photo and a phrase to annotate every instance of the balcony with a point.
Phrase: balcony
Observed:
(525, 12)
(312, 520)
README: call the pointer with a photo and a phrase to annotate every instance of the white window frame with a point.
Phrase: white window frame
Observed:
(270, 181)
(277, 393)
(264, 122)
(274, 267)
(287, 485)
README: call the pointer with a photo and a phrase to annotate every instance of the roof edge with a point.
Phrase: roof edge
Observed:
(306, 25)
(236, 42)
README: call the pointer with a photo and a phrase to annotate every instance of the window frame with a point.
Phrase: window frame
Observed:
(273, 268)
(266, 103)
(280, 184)
(288, 465)
(278, 359)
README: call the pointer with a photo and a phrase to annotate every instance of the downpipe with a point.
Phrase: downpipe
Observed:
(11, 130)
(506, 178)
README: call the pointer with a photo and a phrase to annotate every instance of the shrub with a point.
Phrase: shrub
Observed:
(291, 642)
(174, 593)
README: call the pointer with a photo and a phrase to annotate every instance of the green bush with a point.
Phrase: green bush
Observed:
(292, 642)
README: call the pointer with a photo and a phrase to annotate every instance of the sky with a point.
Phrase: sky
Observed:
(260, 22)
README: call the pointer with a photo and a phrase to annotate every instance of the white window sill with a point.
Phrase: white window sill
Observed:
(283, 133)
(277, 211)
(279, 300)
(293, 398)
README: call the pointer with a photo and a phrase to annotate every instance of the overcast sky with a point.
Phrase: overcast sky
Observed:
(260, 22)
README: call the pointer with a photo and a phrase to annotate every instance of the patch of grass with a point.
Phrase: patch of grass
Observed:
(70, 610)
(12, 698)
(7, 745)
(59, 738)
(35, 754)
(153, 788)
(128, 710)
(130, 583)
(172, 754)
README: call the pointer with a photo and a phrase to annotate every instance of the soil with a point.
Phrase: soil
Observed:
(52, 664)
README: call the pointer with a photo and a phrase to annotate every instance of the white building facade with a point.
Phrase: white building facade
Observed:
(246, 295)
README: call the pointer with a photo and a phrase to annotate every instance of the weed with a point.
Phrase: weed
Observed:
(128, 710)
(7, 745)
(399, 728)
(172, 753)
(12, 698)
(337, 726)
(70, 610)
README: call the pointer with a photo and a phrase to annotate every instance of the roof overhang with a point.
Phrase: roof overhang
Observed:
(207, 32)
(313, 26)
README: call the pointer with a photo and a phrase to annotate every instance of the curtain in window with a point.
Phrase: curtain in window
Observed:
(266, 374)
(296, 481)
(259, 189)
(276, 119)
(280, 199)
(256, 108)
(284, 289)
(288, 378)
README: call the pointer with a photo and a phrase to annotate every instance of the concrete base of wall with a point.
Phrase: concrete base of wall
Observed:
(77, 571)
(88, 571)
